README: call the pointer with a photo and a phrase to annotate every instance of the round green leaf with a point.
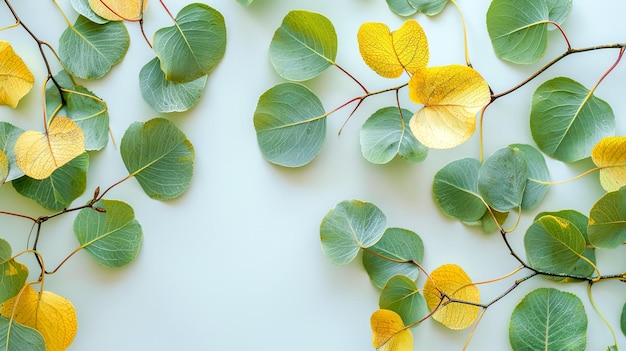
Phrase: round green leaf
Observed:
(113, 238)
(83, 8)
(348, 227)
(607, 220)
(385, 134)
(537, 171)
(429, 7)
(60, 189)
(519, 28)
(554, 245)
(13, 274)
(303, 46)
(194, 46)
(8, 135)
(455, 190)
(17, 337)
(566, 121)
(502, 179)
(159, 156)
(167, 96)
(548, 319)
(396, 244)
(401, 295)
(290, 125)
(401, 7)
(88, 50)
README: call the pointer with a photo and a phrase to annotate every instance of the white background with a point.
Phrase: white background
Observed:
(235, 263)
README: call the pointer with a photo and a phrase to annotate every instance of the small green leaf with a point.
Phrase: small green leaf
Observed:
(502, 179)
(455, 190)
(83, 8)
(303, 46)
(623, 320)
(8, 135)
(537, 171)
(194, 46)
(487, 222)
(350, 226)
(60, 189)
(548, 319)
(429, 7)
(401, 295)
(401, 7)
(89, 50)
(290, 125)
(607, 220)
(166, 96)
(13, 274)
(159, 156)
(567, 120)
(113, 238)
(386, 134)
(398, 245)
(17, 337)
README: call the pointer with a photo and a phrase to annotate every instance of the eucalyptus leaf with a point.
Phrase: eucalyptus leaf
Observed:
(429, 7)
(303, 46)
(548, 319)
(386, 134)
(17, 337)
(348, 227)
(60, 189)
(537, 171)
(83, 8)
(455, 190)
(113, 237)
(290, 125)
(567, 121)
(487, 222)
(607, 220)
(8, 135)
(502, 179)
(194, 46)
(89, 50)
(164, 95)
(245, 2)
(401, 295)
(401, 7)
(623, 320)
(395, 245)
(13, 274)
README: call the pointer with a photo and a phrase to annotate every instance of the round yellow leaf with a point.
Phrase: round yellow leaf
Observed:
(450, 281)
(610, 155)
(16, 80)
(389, 333)
(50, 314)
(118, 10)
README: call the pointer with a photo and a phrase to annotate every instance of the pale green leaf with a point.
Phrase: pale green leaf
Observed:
(502, 179)
(245, 2)
(537, 172)
(401, 295)
(607, 220)
(623, 320)
(401, 7)
(428, 7)
(17, 337)
(455, 190)
(8, 135)
(83, 8)
(13, 274)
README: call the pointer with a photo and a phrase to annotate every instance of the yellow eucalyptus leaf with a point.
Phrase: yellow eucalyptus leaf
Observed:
(451, 95)
(39, 154)
(50, 314)
(610, 155)
(389, 333)
(4, 167)
(118, 10)
(452, 281)
(16, 80)
(391, 53)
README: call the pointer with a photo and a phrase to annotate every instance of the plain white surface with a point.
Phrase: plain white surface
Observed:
(235, 263)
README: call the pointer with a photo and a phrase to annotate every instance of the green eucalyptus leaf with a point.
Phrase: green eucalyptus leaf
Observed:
(83, 8)
(89, 50)
(519, 28)
(245, 2)
(537, 171)
(548, 319)
(290, 125)
(502, 179)
(17, 337)
(567, 120)
(13, 274)
(455, 190)
(401, 7)
(113, 237)
(607, 220)
(164, 95)
(623, 320)
(487, 222)
(401, 295)
(194, 46)
(303, 46)
(8, 135)
(398, 245)
(60, 189)
(350, 226)
(554, 245)
(429, 7)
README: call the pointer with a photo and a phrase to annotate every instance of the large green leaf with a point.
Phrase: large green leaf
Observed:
(113, 237)
(13, 274)
(396, 245)
(386, 134)
(548, 319)
(8, 135)
(83, 8)
(17, 337)
(401, 295)
(567, 120)
(537, 171)
(159, 156)
(167, 96)
(607, 220)
(303, 46)
(194, 46)
(429, 7)
(290, 125)
(554, 245)
(519, 28)
(502, 179)
(348, 227)
(60, 189)
(455, 190)
(88, 50)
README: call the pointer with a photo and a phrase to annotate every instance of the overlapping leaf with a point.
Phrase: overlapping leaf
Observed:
(117, 10)
(84, 9)
(607, 220)
(8, 136)
(401, 295)
(17, 337)
(392, 53)
(16, 80)
(455, 190)
(451, 95)
(410, 7)
(13, 274)
(610, 155)
(538, 172)
(389, 333)
(502, 179)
